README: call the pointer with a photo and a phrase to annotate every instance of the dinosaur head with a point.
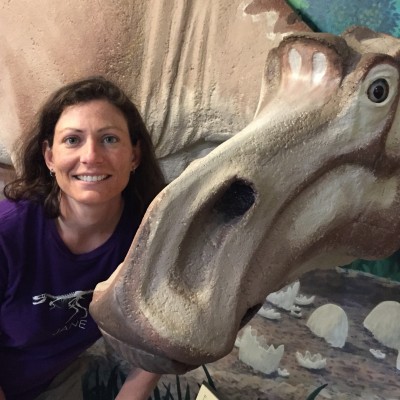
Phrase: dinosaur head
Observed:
(311, 182)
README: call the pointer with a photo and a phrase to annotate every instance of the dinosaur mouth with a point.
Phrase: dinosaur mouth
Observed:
(148, 361)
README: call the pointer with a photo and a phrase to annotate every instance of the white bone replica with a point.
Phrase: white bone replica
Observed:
(312, 181)
(285, 298)
(302, 300)
(377, 354)
(384, 323)
(331, 323)
(254, 351)
(284, 373)
(310, 361)
(269, 313)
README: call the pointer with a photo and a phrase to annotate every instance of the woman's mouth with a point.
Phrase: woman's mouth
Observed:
(91, 178)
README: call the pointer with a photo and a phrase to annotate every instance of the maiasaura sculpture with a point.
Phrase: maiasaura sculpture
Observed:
(312, 181)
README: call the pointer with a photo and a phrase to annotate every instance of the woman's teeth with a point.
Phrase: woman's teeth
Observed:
(91, 178)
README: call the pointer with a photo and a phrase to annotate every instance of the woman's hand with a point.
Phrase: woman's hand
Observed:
(138, 385)
(2, 395)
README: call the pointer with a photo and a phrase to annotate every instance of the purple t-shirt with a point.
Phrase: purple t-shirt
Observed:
(45, 291)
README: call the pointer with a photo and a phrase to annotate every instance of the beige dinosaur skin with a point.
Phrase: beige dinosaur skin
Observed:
(311, 182)
(180, 61)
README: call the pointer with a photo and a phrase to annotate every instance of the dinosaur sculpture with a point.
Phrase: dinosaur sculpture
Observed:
(312, 181)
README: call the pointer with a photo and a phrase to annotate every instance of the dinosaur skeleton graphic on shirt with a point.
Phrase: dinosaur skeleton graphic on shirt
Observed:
(69, 300)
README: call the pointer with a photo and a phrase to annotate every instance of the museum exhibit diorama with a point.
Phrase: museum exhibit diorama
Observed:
(276, 126)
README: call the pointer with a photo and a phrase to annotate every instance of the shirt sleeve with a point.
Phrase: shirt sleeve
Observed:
(3, 276)
(3, 272)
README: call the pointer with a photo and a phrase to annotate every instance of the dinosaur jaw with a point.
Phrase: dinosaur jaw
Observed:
(146, 360)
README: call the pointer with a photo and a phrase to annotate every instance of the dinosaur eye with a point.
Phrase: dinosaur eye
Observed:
(378, 91)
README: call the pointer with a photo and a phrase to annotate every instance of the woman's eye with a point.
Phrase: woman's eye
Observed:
(110, 139)
(71, 141)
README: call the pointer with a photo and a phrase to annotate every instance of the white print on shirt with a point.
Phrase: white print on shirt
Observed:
(69, 301)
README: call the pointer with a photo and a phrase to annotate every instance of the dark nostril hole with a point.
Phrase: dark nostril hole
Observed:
(235, 201)
(250, 313)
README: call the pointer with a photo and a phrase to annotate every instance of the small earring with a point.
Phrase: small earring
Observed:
(52, 173)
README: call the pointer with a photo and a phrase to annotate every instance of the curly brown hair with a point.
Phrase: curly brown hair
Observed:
(34, 181)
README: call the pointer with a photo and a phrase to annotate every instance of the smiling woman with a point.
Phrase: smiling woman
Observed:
(87, 173)
(92, 154)
(92, 158)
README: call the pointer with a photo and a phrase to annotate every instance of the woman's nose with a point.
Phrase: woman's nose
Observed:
(91, 152)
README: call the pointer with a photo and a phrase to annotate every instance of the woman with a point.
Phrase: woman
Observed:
(87, 174)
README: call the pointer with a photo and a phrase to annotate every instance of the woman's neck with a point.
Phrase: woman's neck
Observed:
(83, 228)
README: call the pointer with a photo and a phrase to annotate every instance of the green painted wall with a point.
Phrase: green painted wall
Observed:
(335, 16)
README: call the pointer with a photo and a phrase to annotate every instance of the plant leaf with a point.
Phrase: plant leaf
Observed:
(315, 393)
(168, 394)
(178, 388)
(187, 393)
(210, 381)
(157, 394)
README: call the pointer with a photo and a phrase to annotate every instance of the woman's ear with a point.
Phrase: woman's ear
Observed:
(136, 155)
(47, 154)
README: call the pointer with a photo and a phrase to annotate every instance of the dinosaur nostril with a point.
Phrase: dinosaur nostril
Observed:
(235, 201)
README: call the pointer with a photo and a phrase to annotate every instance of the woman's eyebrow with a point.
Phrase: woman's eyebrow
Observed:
(70, 129)
(105, 128)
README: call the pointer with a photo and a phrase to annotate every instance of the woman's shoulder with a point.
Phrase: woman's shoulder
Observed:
(16, 212)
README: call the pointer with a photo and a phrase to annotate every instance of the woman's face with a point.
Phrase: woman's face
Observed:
(92, 154)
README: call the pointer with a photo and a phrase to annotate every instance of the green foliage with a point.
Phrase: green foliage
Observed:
(169, 396)
(157, 394)
(94, 389)
(209, 379)
(179, 391)
(315, 393)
